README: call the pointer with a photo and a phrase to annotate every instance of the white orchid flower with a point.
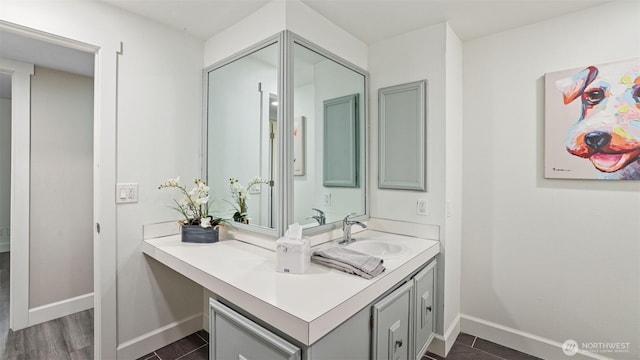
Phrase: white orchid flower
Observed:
(173, 182)
(202, 187)
(205, 222)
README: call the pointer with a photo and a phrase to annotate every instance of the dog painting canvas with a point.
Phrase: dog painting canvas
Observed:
(592, 122)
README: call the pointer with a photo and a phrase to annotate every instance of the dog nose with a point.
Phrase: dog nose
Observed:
(597, 139)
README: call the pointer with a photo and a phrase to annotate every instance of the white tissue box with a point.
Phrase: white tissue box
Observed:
(293, 256)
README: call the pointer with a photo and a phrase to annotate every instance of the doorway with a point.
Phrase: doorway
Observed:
(50, 140)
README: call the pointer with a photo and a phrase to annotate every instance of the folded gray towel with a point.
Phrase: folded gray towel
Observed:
(350, 261)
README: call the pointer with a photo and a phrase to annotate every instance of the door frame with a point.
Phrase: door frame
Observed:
(20, 196)
(104, 180)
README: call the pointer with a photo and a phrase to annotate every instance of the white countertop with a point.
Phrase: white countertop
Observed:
(303, 306)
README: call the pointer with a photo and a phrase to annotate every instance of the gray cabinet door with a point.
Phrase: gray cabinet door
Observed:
(424, 308)
(393, 325)
(234, 337)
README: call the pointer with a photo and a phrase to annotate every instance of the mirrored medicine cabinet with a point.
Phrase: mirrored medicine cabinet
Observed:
(285, 137)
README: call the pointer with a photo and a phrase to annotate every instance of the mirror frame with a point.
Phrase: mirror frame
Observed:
(284, 177)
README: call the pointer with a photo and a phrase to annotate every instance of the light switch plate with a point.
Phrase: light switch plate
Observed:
(126, 193)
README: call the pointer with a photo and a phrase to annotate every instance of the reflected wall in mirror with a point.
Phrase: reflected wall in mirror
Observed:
(341, 142)
(318, 78)
(242, 98)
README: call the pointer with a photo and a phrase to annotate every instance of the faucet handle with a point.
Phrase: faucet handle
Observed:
(320, 212)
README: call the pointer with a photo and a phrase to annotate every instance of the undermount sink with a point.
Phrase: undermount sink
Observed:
(378, 248)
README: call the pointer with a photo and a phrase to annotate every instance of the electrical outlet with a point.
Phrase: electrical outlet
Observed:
(326, 199)
(422, 207)
(126, 193)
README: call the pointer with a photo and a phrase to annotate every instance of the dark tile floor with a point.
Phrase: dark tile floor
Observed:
(466, 347)
(192, 347)
(469, 347)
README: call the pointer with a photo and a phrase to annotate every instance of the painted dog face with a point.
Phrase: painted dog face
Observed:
(608, 130)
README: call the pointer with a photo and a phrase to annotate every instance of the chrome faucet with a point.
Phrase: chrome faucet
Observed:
(319, 217)
(346, 229)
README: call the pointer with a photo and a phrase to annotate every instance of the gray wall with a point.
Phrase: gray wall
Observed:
(5, 172)
(61, 226)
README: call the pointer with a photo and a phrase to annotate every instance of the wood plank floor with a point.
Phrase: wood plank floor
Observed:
(67, 338)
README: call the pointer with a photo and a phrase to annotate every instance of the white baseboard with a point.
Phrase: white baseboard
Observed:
(59, 309)
(205, 321)
(158, 338)
(5, 247)
(442, 344)
(519, 340)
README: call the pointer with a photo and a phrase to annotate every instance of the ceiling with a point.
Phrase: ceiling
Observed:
(200, 18)
(368, 20)
(29, 50)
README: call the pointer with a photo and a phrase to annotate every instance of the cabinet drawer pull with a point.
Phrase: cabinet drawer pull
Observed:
(399, 343)
(428, 308)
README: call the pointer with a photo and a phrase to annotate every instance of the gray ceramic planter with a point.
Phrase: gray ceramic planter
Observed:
(198, 234)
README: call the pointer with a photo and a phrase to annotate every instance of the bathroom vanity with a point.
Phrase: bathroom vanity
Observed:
(258, 313)
(305, 94)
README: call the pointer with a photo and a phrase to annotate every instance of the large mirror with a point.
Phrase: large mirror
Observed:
(268, 168)
(242, 138)
(329, 112)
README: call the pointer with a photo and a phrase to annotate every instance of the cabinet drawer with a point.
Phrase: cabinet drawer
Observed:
(392, 325)
(234, 337)
(424, 308)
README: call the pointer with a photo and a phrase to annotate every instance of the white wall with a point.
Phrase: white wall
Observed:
(452, 252)
(281, 15)
(435, 54)
(5, 172)
(159, 132)
(558, 259)
(413, 56)
(159, 114)
(61, 226)
(266, 21)
(304, 21)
